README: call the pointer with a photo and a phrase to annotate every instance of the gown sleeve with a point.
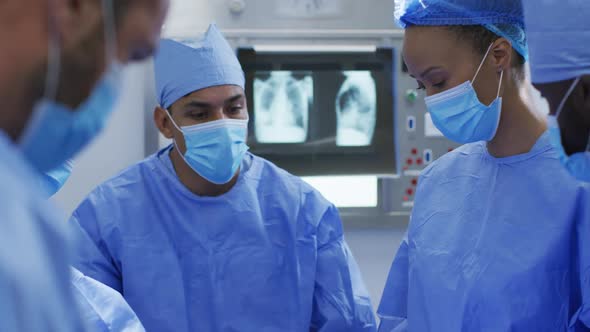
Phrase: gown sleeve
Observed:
(91, 255)
(101, 307)
(393, 310)
(341, 301)
(581, 318)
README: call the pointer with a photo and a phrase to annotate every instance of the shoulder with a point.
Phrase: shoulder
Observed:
(273, 181)
(21, 203)
(276, 179)
(133, 175)
(452, 160)
(121, 188)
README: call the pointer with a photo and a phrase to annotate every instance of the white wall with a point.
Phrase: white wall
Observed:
(188, 15)
(121, 144)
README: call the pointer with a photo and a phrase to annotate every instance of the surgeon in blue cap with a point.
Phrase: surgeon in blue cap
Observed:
(204, 236)
(493, 240)
(559, 39)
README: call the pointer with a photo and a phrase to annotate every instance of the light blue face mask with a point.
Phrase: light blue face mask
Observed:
(459, 114)
(54, 180)
(56, 133)
(577, 164)
(215, 149)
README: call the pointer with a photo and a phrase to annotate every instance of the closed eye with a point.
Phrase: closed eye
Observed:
(439, 85)
(236, 109)
(198, 115)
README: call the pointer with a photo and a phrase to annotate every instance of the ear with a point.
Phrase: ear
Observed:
(501, 54)
(163, 122)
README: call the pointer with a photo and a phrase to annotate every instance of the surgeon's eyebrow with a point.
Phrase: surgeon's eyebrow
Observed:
(234, 98)
(427, 71)
(197, 104)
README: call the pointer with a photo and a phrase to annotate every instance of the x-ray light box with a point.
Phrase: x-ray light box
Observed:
(322, 113)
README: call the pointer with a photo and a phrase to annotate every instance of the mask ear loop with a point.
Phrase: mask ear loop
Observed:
(500, 85)
(566, 97)
(52, 77)
(588, 145)
(482, 62)
(110, 31)
(169, 115)
(481, 65)
(53, 63)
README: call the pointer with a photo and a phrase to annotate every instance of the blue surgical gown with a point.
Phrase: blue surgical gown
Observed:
(269, 255)
(494, 244)
(102, 308)
(35, 293)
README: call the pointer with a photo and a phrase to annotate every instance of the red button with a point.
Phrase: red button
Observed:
(410, 191)
(406, 198)
(414, 151)
(410, 161)
(419, 161)
(415, 182)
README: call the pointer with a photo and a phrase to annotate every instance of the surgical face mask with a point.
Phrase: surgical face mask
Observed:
(56, 132)
(459, 114)
(215, 149)
(577, 164)
(54, 180)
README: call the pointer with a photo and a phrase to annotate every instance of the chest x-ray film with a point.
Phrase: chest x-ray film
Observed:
(344, 112)
(322, 113)
(356, 109)
(282, 102)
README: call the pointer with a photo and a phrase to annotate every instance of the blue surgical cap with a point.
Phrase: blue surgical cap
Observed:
(185, 67)
(559, 39)
(502, 17)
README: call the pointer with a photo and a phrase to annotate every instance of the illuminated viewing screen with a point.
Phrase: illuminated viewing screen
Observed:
(322, 113)
(283, 101)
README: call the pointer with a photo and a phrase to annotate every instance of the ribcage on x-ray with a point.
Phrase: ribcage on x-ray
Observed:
(282, 104)
(356, 109)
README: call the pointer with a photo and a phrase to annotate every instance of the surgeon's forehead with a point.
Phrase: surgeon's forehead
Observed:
(214, 96)
(428, 46)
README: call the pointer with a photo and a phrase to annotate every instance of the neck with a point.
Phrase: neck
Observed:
(520, 126)
(196, 183)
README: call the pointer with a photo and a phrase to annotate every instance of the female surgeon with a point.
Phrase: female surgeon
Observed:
(493, 238)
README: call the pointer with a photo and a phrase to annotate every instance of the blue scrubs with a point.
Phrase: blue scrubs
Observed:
(103, 309)
(494, 244)
(35, 293)
(267, 256)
